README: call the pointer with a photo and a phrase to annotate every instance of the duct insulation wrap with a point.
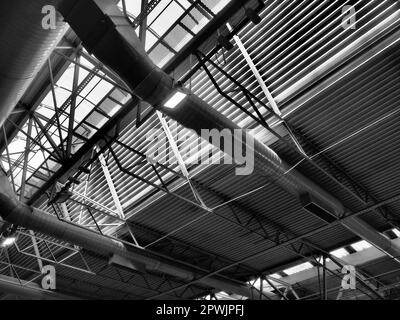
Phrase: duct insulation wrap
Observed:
(25, 47)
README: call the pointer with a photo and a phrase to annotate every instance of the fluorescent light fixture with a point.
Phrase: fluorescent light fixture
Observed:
(396, 232)
(299, 268)
(175, 99)
(361, 245)
(6, 242)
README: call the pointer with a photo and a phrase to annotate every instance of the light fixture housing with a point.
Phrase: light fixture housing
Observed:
(175, 99)
(315, 207)
(8, 241)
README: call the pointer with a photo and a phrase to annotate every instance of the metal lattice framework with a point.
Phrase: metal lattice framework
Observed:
(93, 156)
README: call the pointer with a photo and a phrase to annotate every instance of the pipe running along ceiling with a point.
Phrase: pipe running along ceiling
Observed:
(107, 34)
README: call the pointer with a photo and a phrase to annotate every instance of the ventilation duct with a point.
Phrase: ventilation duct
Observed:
(106, 33)
(25, 47)
(311, 205)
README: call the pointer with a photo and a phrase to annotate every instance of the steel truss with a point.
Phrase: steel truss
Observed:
(62, 154)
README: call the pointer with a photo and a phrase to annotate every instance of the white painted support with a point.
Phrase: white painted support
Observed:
(179, 158)
(256, 73)
(111, 186)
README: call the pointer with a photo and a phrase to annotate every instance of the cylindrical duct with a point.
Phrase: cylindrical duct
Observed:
(25, 47)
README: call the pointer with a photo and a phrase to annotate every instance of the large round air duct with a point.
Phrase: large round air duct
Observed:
(25, 47)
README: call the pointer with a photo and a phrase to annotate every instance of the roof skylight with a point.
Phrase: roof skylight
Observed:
(340, 253)
(361, 245)
(298, 268)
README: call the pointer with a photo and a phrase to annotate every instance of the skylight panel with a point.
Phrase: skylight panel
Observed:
(121, 96)
(67, 77)
(132, 6)
(195, 21)
(216, 5)
(37, 160)
(109, 107)
(298, 268)
(99, 92)
(17, 146)
(84, 62)
(45, 110)
(167, 18)
(275, 275)
(177, 38)
(157, 10)
(62, 93)
(340, 253)
(361, 245)
(83, 109)
(160, 55)
(151, 39)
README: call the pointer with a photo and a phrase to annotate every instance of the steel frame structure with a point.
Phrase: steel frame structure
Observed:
(105, 137)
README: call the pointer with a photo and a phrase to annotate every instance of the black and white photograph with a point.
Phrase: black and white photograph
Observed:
(195, 159)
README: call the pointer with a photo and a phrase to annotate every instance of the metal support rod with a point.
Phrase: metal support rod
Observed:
(143, 23)
(56, 111)
(178, 157)
(26, 159)
(110, 185)
(72, 107)
(85, 191)
(65, 211)
(36, 249)
(275, 288)
(256, 73)
(9, 159)
(96, 73)
(95, 203)
(49, 138)
(22, 189)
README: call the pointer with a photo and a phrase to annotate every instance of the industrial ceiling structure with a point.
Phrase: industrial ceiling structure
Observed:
(102, 151)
